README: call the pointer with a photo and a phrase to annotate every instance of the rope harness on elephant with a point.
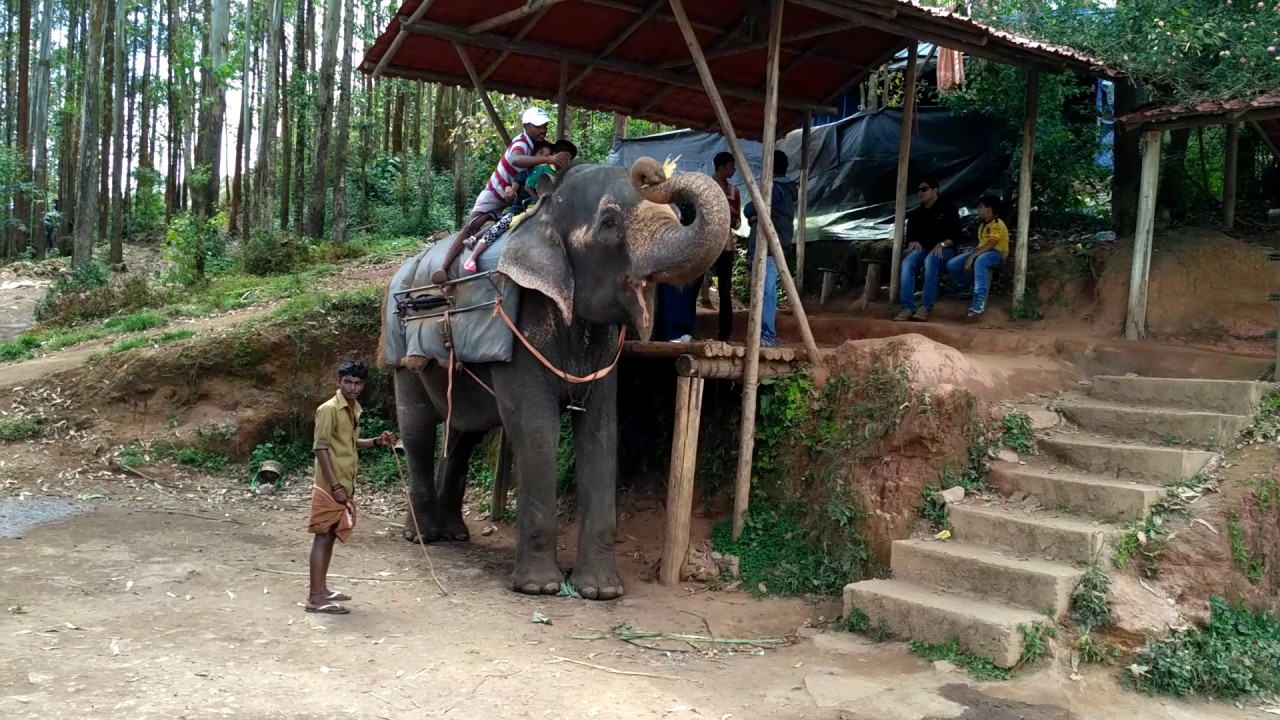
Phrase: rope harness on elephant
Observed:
(602, 372)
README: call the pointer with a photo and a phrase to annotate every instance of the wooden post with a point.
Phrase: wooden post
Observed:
(1135, 324)
(562, 107)
(755, 315)
(484, 96)
(904, 167)
(684, 464)
(400, 37)
(1030, 113)
(802, 215)
(501, 478)
(1230, 172)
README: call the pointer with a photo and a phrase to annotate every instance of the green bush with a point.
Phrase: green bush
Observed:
(1235, 655)
(194, 246)
(13, 429)
(269, 254)
(90, 293)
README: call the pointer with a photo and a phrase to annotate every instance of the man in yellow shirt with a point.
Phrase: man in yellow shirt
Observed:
(970, 269)
(333, 512)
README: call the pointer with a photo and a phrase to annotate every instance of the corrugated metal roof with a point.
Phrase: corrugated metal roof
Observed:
(1221, 110)
(629, 55)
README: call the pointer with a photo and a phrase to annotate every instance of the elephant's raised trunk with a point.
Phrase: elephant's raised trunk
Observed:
(661, 248)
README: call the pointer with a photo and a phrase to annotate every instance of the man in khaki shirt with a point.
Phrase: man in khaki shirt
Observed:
(333, 512)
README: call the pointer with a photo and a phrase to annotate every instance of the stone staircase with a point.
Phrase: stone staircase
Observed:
(1016, 562)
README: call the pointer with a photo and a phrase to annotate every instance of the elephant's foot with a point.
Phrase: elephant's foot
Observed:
(537, 578)
(597, 582)
(426, 530)
(454, 529)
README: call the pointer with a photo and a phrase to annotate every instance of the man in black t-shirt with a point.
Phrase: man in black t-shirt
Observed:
(933, 231)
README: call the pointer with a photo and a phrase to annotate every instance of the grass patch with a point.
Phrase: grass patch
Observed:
(1090, 651)
(934, 509)
(1265, 425)
(1035, 642)
(13, 429)
(980, 669)
(192, 457)
(1146, 540)
(137, 322)
(1235, 655)
(775, 556)
(1018, 434)
(127, 345)
(1253, 567)
(1091, 600)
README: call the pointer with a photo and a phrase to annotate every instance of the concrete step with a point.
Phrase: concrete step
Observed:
(1039, 535)
(1032, 584)
(1092, 496)
(918, 612)
(1157, 465)
(1230, 397)
(1168, 426)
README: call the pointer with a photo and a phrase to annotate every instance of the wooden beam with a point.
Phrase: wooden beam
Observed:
(728, 368)
(526, 91)
(802, 214)
(1135, 323)
(400, 37)
(525, 29)
(762, 44)
(755, 313)
(666, 17)
(680, 478)
(484, 96)
(904, 168)
(1230, 175)
(501, 478)
(626, 67)
(1031, 111)
(530, 8)
(622, 37)
(562, 106)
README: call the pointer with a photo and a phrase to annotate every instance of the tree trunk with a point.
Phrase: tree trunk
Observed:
(117, 126)
(1127, 165)
(246, 120)
(174, 114)
(144, 114)
(69, 140)
(233, 214)
(39, 122)
(343, 131)
(459, 168)
(208, 155)
(264, 206)
(324, 107)
(131, 84)
(90, 118)
(424, 207)
(397, 125)
(286, 127)
(108, 119)
(301, 115)
(1173, 178)
(24, 123)
(417, 119)
(446, 115)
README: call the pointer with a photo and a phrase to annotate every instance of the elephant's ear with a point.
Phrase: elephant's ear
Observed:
(535, 258)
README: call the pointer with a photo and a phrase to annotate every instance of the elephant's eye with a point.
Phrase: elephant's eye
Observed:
(608, 222)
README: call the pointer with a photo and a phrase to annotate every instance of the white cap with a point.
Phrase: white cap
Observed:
(535, 116)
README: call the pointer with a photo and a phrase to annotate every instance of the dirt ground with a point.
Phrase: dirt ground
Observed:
(156, 603)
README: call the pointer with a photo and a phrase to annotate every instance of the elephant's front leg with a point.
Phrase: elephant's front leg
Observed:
(533, 425)
(595, 434)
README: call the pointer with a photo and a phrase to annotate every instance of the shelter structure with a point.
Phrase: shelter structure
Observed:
(1262, 112)
(711, 64)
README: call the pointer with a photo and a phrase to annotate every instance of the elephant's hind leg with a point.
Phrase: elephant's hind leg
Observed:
(418, 419)
(453, 483)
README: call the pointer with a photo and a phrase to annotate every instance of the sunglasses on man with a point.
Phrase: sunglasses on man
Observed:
(923, 189)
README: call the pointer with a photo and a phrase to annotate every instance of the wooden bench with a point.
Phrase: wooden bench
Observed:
(870, 286)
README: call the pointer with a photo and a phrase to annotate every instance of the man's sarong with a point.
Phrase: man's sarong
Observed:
(329, 514)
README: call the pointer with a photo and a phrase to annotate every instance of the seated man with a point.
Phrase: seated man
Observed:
(492, 200)
(782, 210)
(993, 248)
(933, 230)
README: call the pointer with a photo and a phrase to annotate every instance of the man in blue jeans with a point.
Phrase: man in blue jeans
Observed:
(782, 210)
(933, 230)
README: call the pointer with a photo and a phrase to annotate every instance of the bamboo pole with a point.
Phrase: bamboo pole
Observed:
(1031, 112)
(684, 464)
(484, 96)
(904, 167)
(751, 370)
(562, 106)
(803, 214)
(1230, 172)
(1135, 325)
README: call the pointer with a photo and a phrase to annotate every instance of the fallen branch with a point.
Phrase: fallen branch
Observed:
(626, 634)
(340, 577)
(198, 517)
(613, 671)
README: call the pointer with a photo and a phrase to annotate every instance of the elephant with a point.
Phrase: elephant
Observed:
(585, 263)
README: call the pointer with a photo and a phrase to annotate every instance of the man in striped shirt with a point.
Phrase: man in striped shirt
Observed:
(492, 201)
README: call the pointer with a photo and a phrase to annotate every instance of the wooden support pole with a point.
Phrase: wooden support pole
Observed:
(501, 478)
(400, 37)
(904, 167)
(728, 368)
(1135, 324)
(529, 8)
(484, 96)
(1031, 111)
(755, 315)
(562, 106)
(680, 477)
(802, 214)
(1230, 173)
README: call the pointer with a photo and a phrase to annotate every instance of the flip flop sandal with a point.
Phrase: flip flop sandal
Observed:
(338, 595)
(331, 608)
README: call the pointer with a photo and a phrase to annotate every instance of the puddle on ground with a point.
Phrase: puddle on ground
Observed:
(980, 706)
(20, 516)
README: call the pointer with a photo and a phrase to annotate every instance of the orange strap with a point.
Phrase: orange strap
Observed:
(603, 372)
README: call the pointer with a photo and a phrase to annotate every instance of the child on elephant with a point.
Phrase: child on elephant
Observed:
(535, 183)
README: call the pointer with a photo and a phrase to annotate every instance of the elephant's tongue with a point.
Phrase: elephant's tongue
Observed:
(638, 289)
